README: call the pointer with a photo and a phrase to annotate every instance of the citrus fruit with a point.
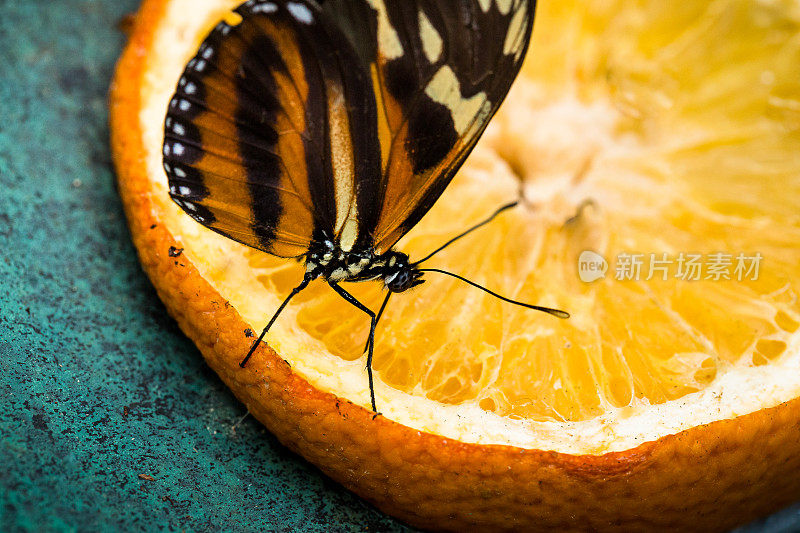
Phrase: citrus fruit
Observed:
(654, 148)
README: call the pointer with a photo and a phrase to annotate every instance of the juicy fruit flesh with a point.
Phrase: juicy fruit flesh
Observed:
(635, 128)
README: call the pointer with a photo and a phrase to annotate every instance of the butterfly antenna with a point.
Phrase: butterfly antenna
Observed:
(550, 311)
(470, 230)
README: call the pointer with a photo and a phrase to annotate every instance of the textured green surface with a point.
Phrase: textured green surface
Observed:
(97, 385)
(84, 339)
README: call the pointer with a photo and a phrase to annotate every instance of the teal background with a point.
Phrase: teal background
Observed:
(97, 384)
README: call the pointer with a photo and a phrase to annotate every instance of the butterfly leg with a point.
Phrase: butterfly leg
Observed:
(378, 319)
(370, 340)
(303, 285)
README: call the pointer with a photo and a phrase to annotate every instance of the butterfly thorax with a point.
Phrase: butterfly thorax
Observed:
(326, 259)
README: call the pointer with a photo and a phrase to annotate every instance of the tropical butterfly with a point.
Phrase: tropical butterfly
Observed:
(325, 130)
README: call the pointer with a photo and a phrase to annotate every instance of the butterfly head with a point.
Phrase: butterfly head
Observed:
(399, 274)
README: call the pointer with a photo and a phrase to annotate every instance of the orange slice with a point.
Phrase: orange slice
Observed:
(644, 140)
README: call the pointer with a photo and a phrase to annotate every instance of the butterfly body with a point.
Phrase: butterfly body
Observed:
(327, 260)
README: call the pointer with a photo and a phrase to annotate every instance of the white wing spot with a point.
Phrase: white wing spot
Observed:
(179, 129)
(184, 105)
(431, 40)
(179, 172)
(189, 206)
(166, 150)
(266, 7)
(300, 12)
(186, 191)
(178, 149)
(200, 66)
(190, 88)
(445, 89)
(208, 52)
(388, 41)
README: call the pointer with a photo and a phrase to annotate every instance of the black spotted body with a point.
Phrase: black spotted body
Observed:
(325, 260)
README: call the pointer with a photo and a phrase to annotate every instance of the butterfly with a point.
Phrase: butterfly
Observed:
(325, 130)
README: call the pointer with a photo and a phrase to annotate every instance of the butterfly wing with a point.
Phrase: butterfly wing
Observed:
(270, 125)
(294, 123)
(440, 70)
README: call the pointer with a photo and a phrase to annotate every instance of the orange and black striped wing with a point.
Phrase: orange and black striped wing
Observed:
(440, 70)
(271, 125)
